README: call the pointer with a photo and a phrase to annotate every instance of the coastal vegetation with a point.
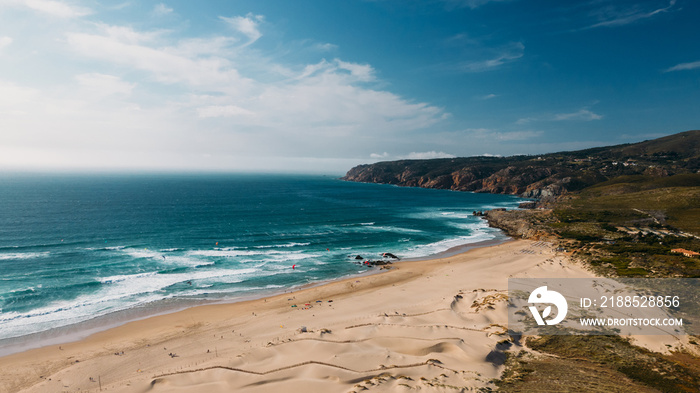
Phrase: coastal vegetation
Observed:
(597, 364)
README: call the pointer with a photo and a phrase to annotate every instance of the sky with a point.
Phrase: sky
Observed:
(320, 86)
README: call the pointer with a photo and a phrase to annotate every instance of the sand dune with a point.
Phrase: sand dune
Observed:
(433, 324)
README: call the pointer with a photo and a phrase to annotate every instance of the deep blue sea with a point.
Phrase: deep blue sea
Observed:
(78, 247)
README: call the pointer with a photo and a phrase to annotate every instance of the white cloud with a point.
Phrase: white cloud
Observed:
(5, 41)
(126, 34)
(104, 85)
(161, 9)
(378, 156)
(167, 67)
(212, 46)
(684, 66)
(427, 155)
(247, 25)
(361, 72)
(52, 7)
(223, 111)
(583, 114)
(352, 71)
(155, 100)
(12, 94)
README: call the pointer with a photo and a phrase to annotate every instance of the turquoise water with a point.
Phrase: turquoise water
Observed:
(73, 248)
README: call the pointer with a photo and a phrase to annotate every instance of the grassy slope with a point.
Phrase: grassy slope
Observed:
(677, 198)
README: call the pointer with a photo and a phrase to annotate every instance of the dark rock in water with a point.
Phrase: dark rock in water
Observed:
(389, 255)
(375, 263)
(359, 257)
(527, 205)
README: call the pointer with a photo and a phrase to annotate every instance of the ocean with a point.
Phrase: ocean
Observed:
(89, 250)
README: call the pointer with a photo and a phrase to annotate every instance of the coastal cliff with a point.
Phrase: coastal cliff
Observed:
(543, 176)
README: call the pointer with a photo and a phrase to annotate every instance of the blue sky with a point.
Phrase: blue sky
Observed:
(320, 86)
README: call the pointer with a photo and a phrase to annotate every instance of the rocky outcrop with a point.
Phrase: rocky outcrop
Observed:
(526, 224)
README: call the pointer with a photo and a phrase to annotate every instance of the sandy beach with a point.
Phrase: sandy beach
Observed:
(432, 324)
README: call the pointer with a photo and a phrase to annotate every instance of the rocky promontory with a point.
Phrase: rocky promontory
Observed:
(543, 176)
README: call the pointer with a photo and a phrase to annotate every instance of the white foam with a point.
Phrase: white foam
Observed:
(381, 228)
(185, 261)
(142, 254)
(23, 255)
(164, 256)
(226, 253)
(441, 214)
(113, 279)
(32, 289)
(118, 293)
(284, 245)
(479, 231)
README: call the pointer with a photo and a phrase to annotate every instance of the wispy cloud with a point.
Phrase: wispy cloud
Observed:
(639, 137)
(504, 55)
(470, 3)
(52, 7)
(161, 9)
(484, 133)
(684, 66)
(120, 6)
(247, 25)
(614, 15)
(526, 120)
(488, 96)
(414, 155)
(426, 155)
(325, 46)
(583, 114)
(361, 72)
